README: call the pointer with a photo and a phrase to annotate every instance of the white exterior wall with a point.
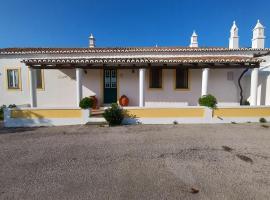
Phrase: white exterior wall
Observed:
(13, 96)
(226, 91)
(168, 93)
(60, 85)
(128, 84)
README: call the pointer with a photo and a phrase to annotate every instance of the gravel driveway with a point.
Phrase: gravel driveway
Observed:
(225, 161)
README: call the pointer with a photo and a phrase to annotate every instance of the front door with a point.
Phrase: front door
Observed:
(110, 86)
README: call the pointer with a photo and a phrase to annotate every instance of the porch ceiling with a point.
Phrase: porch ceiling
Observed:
(164, 62)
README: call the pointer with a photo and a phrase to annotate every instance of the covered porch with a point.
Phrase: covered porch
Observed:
(131, 77)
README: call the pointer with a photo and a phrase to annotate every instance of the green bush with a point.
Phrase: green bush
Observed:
(2, 112)
(12, 106)
(86, 103)
(208, 101)
(114, 115)
(246, 103)
(262, 120)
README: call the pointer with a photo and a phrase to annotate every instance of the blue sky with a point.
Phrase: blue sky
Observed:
(55, 23)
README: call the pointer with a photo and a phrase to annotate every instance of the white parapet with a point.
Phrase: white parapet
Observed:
(32, 117)
(197, 114)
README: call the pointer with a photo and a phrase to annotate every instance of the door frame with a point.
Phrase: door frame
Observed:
(102, 84)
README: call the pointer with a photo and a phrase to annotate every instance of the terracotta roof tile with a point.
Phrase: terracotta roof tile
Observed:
(159, 60)
(7, 51)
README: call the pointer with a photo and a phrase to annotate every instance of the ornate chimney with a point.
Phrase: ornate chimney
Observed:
(92, 41)
(258, 36)
(194, 40)
(234, 38)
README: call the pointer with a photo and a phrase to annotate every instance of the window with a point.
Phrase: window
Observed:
(13, 78)
(40, 81)
(155, 78)
(181, 79)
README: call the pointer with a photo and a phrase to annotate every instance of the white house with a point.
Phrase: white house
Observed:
(167, 77)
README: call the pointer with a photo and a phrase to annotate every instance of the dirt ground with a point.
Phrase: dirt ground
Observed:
(225, 161)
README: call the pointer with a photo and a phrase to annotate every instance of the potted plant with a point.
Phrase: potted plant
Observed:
(124, 100)
(209, 101)
(86, 103)
(95, 102)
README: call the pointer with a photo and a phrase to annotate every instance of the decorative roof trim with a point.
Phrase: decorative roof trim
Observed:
(22, 51)
(177, 60)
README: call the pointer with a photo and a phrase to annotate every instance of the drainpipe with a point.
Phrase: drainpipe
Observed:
(240, 86)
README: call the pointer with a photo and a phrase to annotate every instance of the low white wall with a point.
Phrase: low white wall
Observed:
(37, 121)
(237, 114)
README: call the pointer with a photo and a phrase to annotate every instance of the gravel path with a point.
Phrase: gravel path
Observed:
(225, 161)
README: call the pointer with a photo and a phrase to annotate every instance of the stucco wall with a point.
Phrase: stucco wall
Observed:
(60, 86)
(13, 96)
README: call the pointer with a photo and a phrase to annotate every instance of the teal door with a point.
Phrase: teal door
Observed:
(110, 86)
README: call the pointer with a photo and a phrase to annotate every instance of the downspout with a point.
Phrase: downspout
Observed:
(243, 73)
(240, 86)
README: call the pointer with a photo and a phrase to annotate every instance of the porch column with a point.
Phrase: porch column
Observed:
(33, 87)
(79, 85)
(254, 86)
(205, 73)
(141, 87)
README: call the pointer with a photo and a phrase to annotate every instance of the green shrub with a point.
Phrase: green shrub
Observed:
(2, 112)
(246, 103)
(86, 103)
(262, 120)
(12, 106)
(208, 101)
(114, 115)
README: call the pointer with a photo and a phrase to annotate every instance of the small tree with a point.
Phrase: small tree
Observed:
(208, 100)
(86, 103)
(114, 115)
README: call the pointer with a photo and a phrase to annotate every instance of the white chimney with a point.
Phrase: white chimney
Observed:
(92, 41)
(258, 36)
(194, 40)
(234, 38)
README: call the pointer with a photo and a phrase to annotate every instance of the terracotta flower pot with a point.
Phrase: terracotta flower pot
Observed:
(123, 101)
(95, 102)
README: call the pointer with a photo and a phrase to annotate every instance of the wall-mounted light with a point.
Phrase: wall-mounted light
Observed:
(85, 71)
(132, 71)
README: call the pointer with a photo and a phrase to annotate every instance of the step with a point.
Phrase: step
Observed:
(96, 121)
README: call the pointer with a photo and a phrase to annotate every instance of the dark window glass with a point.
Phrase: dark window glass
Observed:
(13, 78)
(39, 79)
(181, 79)
(155, 78)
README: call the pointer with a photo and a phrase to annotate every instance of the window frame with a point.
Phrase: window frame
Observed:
(19, 79)
(150, 79)
(188, 81)
(42, 80)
